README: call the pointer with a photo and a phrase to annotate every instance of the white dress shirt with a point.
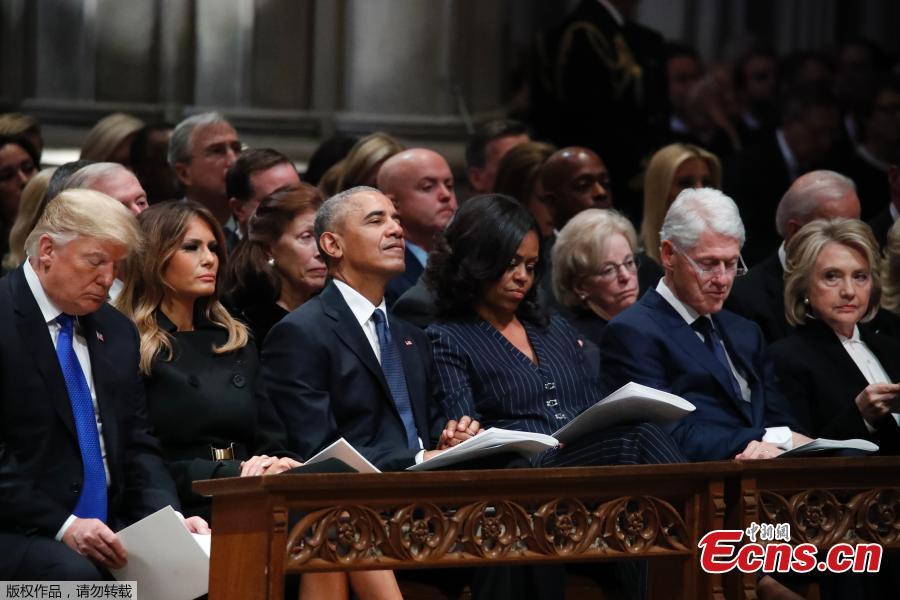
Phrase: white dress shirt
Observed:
(779, 436)
(867, 364)
(50, 312)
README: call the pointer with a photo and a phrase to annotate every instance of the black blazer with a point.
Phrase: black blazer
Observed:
(881, 224)
(759, 296)
(40, 462)
(821, 381)
(325, 382)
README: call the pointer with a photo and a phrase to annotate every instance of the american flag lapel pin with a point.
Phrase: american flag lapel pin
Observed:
(100, 337)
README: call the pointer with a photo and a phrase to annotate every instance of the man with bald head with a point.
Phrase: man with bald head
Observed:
(759, 296)
(575, 179)
(420, 183)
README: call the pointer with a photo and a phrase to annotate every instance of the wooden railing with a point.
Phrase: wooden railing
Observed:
(265, 527)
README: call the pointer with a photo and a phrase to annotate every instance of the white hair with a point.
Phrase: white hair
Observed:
(807, 195)
(698, 210)
(87, 176)
(181, 146)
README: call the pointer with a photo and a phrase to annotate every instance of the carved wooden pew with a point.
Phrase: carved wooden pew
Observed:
(825, 501)
(264, 527)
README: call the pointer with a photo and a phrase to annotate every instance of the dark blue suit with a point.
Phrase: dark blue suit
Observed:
(320, 373)
(651, 344)
(41, 470)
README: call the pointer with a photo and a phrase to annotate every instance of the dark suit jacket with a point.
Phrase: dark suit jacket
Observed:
(324, 380)
(416, 305)
(40, 461)
(406, 280)
(881, 224)
(759, 296)
(821, 382)
(756, 179)
(651, 344)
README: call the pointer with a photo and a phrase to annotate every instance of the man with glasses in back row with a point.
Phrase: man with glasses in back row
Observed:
(677, 338)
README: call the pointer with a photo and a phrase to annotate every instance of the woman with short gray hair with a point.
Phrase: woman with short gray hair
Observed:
(836, 371)
(595, 268)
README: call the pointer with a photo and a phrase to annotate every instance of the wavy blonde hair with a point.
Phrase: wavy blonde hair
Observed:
(31, 207)
(366, 156)
(107, 135)
(658, 180)
(803, 250)
(164, 226)
(890, 271)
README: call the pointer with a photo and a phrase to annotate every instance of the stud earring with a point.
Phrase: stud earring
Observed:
(271, 261)
(806, 301)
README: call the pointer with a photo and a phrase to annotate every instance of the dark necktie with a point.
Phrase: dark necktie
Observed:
(705, 327)
(92, 501)
(392, 366)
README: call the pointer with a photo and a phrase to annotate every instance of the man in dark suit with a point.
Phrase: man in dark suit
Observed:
(420, 183)
(336, 367)
(757, 177)
(77, 459)
(677, 338)
(759, 296)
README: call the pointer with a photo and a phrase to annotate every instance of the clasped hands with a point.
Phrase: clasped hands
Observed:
(455, 432)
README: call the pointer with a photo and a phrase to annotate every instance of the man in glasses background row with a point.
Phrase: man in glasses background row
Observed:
(677, 338)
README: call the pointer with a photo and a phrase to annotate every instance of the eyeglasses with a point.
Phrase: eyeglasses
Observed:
(610, 271)
(710, 269)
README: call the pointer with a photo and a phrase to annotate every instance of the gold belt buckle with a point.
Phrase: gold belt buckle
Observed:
(222, 453)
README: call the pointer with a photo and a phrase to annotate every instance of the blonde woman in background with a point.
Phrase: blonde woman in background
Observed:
(110, 139)
(672, 169)
(31, 207)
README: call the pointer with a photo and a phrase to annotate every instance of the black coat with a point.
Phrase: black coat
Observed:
(321, 375)
(40, 462)
(759, 296)
(821, 381)
(201, 399)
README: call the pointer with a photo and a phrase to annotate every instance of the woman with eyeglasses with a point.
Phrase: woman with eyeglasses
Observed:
(839, 374)
(674, 168)
(595, 266)
(18, 164)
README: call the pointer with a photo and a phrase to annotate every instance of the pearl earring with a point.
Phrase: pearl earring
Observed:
(806, 301)
(271, 261)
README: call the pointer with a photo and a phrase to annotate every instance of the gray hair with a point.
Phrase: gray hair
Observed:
(85, 213)
(85, 177)
(332, 212)
(698, 210)
(807, 194)
(181, 146)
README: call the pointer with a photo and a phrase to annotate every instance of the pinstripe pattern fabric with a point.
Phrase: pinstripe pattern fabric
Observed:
(481, 374)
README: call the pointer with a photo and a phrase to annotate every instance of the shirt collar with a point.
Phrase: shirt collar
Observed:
(782, 257)
(232, 226)
(613, 12)
(852, 339)
(359, 305)
(790, 160)
(686, 312)
(48, 309)
(418, 251)
(895, 214)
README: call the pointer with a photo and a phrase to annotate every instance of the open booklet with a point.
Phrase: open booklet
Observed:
(490, 442)
(347, 454)
(631, 403)
(825, 446)
(164, 558)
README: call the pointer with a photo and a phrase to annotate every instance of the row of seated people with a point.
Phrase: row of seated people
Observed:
(339, 365)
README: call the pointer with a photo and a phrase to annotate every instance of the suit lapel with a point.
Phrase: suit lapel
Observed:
(37, 342)
(100, 366)
(686, 338)
(413, 369)
(348, 330)
(742, 359)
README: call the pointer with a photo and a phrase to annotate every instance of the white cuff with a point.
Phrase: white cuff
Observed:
(420, 456)
(779, 436)
(65, 526)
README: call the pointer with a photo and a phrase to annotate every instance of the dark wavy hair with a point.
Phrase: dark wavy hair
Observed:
(475, 251)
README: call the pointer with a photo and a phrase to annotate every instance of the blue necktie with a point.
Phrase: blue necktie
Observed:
(92, 501)
(392, 366)
(711, 339)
